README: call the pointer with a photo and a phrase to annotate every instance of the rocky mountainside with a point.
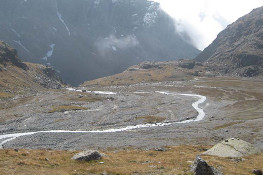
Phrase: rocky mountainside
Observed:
(18, 76)
(238, 50)
(87, 39)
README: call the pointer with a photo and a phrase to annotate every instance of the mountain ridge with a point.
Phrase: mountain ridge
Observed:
(237, 50)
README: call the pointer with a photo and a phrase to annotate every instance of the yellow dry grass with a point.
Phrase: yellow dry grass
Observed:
(18, 80)
(4, 95)
(166, 73)
(66, 108)
(151, 119)
(176, 160)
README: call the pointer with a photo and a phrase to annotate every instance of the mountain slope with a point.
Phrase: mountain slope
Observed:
(16, 76)
(238, 49)
(87, 39)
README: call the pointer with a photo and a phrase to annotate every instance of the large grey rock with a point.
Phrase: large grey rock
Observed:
(87, 156)
(233, 147)
(200, 167)
(257, 172)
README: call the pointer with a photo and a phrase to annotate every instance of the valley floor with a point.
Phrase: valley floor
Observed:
(232, 108)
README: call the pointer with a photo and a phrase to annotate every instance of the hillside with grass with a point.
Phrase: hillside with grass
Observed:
(149, 72)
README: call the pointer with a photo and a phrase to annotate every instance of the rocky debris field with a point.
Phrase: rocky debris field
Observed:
(136, 116)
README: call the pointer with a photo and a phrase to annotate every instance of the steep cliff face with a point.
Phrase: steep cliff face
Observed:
(87, 39)
(18, 76)
(238, 50)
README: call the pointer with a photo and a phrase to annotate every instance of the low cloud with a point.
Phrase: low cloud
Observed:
(202, 20)
(114, 43)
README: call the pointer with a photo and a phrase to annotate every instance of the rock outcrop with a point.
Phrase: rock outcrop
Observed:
(233, 147)
(9, 55)
(238, 50)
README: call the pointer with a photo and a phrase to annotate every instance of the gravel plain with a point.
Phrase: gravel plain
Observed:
(131, 105)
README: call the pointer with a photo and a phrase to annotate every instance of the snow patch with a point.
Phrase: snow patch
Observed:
(50, 52)
(95, 92)
(54, 28)
(15, 32)
(149, 18)
(114, 48)
(62, 20)
(151, 15)
(104, 92)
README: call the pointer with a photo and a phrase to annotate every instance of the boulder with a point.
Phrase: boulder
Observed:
(200, 167)
(233, 147)
(187, 64)
(87, 156)
(257, 172)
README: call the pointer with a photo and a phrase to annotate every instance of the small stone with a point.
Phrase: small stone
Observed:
(66, 112)
(160, 149)
(16, 150)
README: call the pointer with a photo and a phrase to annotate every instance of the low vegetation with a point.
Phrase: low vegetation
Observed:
(227, 125)
(66, 108)
(155, 72)
(4, 95)
(83, 97)
(175, 160)
(151, 119)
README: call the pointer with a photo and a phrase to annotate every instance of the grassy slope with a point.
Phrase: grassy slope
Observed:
(167, 71)
(14, 79)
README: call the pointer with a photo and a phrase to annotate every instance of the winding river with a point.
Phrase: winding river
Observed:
(201, 114)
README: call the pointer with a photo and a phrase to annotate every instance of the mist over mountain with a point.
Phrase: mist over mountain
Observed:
(88, 39)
